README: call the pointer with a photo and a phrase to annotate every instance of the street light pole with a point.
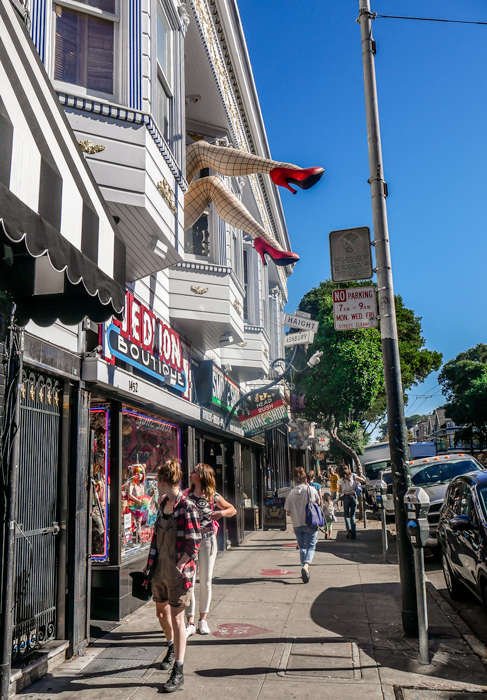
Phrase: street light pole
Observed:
(390, 348)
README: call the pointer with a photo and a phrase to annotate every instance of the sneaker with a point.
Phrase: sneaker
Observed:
(305, 575)
(203, 627)
(190, 629)
(168, 660)
(176, 680)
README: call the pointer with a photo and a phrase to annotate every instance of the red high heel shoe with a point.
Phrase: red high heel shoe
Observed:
(280, 257)
(304, 178)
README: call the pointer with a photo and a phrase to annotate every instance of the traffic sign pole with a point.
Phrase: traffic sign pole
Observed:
(390, 348)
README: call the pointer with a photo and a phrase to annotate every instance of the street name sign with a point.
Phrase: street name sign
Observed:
(303, 314)
(354, 308)
(303, 338)
(350, 254)
(301, 323)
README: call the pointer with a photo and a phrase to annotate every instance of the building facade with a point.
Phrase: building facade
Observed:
(139, 82)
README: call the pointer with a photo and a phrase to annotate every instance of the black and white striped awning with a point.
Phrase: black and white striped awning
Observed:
(59, 250)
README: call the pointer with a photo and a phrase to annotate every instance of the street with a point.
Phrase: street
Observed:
(339, 635)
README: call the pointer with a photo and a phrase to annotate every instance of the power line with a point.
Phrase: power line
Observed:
(375, 15)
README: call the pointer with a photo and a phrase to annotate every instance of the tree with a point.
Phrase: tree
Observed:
(464, 383)
(415, 418)
(348, 384)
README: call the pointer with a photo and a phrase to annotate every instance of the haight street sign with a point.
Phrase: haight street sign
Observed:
(354, 308)
(300, 322)
(263, 411)
(305, 338)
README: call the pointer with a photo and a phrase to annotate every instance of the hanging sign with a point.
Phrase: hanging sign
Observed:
(323, 439)
(354, 308)
(304, 338)
(144, 341)
(214, 388)
(350, 254)
(263, 411)
(300, 322)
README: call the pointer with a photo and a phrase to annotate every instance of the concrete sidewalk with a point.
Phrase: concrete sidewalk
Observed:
(339, 636)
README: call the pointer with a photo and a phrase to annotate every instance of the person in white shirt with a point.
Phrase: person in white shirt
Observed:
(295, 506)
(348, 489)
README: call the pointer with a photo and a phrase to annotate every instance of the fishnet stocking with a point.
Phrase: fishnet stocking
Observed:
(227, 161)
(229, 207)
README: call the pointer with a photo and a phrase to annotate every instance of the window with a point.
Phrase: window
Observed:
(84, 50)
(164, 73)
(246, 284)
(197, 237)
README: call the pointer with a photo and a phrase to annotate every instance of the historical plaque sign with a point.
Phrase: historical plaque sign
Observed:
(350, 254)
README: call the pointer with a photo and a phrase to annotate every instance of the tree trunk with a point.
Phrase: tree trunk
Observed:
(348, 450)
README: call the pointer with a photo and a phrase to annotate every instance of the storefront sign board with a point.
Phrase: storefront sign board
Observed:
(323, 439)
(263, 411)
(219, 422)
(354, 308)
(215, 388)
(146, 342)
(274, 513)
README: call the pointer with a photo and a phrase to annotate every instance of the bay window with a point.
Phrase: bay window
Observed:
(164, 85)
(85, 44)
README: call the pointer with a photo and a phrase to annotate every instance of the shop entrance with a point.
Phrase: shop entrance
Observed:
(34, 612)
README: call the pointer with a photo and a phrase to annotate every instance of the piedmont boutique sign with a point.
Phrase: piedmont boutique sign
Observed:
(263, 411)
(144, 341)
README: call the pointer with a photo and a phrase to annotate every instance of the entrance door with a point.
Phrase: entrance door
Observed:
(214, 456)
(34, 612)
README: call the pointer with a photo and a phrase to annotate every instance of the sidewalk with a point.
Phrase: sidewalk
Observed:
(337, 637)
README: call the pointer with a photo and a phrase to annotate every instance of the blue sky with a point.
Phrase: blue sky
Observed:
(433, 109)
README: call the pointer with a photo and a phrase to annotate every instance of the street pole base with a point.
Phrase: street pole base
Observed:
(410, 623)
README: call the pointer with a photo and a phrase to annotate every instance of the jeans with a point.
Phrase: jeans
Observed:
(206, 561)
(349, 508)
(307, 538)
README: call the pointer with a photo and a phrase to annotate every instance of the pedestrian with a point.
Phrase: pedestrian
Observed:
(296, 507)
(202, 493)
(329, 515)
(312, 482)
(333, 481)
(348, 485)
(172, 566)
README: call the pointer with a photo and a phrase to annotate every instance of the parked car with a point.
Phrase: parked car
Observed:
(433, 474)
(462, 535)
(371, 473)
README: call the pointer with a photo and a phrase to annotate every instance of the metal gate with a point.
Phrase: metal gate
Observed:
(34, 611)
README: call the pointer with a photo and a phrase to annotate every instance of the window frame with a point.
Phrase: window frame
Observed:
(161, 78)
(80, 90)
(212, 258)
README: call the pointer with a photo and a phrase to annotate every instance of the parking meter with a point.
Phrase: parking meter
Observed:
(380, 488)
(417, 505)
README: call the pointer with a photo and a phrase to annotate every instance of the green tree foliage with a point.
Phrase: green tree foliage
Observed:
(415, 418)
(348, 384)
(464, 383)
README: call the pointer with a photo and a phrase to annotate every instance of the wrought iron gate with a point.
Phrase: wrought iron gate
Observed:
(34, 612)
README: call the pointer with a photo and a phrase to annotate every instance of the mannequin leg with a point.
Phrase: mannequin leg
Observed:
(229, 207)
(227, 161)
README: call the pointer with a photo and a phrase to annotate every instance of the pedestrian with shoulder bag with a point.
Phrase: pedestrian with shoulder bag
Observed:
(302, 504)
(348, 488)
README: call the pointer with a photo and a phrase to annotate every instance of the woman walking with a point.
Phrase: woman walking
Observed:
(296, 507)
(172, 566)
(348, 488)
(202, 493)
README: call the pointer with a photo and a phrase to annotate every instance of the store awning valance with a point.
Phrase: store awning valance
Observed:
(59, 251)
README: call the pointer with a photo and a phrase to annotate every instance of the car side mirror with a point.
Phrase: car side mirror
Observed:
(461, 523)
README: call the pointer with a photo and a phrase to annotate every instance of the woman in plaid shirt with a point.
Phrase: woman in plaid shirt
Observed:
(172, 565)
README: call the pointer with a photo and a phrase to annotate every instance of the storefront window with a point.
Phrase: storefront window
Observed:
(99, 423)
(147, 442)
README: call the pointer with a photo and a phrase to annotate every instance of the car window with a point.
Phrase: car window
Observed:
(372, 470)
(465, 502)
(482, 496)
(441, 472)
(456, 497)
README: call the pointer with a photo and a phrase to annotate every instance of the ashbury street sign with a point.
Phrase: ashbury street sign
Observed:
(147, 343)
(305, 338)
(354, 308)
(263, 411)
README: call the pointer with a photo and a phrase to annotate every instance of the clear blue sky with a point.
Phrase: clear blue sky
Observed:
(431, 79)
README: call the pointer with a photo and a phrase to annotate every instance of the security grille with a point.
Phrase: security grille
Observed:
(34, 612)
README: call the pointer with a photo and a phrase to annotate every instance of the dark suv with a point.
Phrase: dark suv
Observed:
(462, 535)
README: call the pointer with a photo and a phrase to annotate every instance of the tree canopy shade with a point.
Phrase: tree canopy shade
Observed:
(348, 384)
(464, 384)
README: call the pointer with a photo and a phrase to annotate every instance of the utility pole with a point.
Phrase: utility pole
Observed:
(390, 347)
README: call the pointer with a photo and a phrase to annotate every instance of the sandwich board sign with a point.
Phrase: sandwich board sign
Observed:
(350, 254)
(354, 308)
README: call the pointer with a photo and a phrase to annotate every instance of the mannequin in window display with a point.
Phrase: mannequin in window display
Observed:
(138, 501)
(231, 162)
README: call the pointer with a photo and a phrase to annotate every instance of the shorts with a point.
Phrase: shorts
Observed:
(175, 593)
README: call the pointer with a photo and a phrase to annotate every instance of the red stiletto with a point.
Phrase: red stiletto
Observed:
(304, 178)
(280, 257)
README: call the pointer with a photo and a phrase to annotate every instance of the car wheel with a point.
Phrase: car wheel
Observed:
(452, 583)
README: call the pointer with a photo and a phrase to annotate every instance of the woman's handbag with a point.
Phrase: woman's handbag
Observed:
(141, 585)
(314, 514)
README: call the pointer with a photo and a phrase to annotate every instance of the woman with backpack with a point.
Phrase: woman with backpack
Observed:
(295, 506)
(202, 493)
(348, 489)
